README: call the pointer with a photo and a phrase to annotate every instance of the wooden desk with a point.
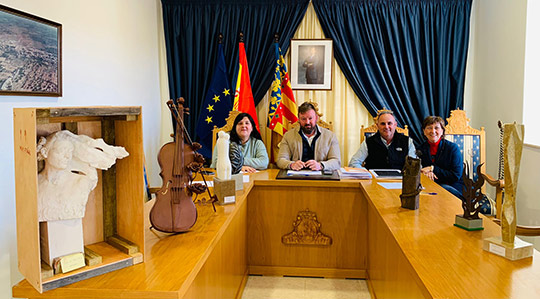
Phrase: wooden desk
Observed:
(403, 253)
(420, 253)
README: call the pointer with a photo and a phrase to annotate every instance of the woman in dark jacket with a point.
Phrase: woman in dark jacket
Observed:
(442, 160)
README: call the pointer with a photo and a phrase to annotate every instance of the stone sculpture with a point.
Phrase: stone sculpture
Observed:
(70, 172)
(223, 167)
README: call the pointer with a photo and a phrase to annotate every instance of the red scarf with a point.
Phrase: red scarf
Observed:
(433, 147)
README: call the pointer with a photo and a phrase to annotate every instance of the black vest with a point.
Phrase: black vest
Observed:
(393, 157)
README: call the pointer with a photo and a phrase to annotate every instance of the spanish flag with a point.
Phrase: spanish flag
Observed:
(243, 97)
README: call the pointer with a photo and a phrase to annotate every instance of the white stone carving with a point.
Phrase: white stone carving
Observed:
(70, 172)
(223, 167)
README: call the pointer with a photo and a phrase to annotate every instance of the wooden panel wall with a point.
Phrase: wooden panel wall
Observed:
(390, 273)
(342, 214)
(225, 270)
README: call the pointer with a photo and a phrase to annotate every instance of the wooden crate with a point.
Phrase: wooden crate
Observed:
(114, 221)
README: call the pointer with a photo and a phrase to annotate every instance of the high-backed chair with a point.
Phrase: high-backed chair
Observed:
(365, 132)
(471, 142)
(227, 127)
(320, 122)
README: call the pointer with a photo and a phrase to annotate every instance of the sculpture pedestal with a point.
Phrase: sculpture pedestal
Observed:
(60, 238)
(468, 224)
(225, 191)
(519, 250)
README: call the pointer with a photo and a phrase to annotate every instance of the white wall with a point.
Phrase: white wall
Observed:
(495, 89)
(111, 56)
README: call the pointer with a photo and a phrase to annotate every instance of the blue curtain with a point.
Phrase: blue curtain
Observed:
(405, 55)
(191, 28)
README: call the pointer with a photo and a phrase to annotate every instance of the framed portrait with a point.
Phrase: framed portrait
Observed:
(30, 54)
(311, 64)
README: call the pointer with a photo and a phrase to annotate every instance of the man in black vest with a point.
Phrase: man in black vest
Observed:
(386, 149)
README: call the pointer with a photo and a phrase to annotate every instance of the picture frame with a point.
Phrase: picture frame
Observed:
(311, 64)
(30, 54)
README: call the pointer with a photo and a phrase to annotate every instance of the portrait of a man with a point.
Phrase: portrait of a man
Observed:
(311, 65)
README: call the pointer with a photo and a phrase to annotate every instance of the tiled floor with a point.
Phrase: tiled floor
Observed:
(272, 287)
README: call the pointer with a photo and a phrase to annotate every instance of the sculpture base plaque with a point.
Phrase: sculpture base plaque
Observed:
(68, 263)
(225, 191)
(468, 224)
(519, 250)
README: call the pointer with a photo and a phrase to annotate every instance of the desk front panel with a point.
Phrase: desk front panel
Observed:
(341, 212)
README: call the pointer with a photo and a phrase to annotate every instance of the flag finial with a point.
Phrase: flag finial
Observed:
(220, 38)
(241, 36)
(276, 38)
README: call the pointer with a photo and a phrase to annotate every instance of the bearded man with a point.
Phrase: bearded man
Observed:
(309, 146)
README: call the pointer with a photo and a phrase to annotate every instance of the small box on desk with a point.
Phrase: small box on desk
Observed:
(225, 191)
(115, 207)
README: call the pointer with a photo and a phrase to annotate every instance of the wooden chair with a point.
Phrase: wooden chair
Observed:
(365, 132)
(227, 127)
(320, 122)
(471, 142)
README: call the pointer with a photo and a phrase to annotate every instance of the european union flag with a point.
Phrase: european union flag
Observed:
(217, 105)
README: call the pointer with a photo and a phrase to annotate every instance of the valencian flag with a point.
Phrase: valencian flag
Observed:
(282, 110)
(217, 105)
(243, 97)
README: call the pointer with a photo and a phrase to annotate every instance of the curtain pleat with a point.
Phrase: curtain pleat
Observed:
(191, 28)
(340, 105)
(405, 55)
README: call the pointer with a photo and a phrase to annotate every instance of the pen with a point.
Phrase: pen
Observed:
(428, 193)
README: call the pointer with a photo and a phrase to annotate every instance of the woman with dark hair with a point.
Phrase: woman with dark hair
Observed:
(441, 159)
(249, 140)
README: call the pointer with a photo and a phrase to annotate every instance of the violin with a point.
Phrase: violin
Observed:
(174, 210)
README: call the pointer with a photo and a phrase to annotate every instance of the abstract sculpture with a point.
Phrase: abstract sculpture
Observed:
(411, 186)
(509, 246)
(472, 195)
(236, 157)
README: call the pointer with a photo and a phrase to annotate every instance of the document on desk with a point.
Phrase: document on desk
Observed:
(284, 174)
(391, 185)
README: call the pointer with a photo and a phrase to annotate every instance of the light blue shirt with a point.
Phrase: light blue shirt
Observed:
(254, 152)
(362, 153)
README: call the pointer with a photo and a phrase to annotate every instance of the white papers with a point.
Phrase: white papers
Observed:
(209, 182)
(392, 185)
(354, 173)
